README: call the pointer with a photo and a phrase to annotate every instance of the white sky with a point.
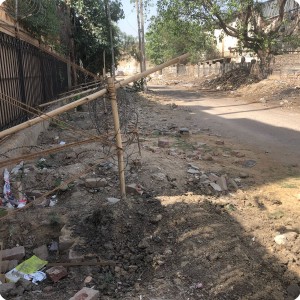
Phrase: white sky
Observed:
(129, 24)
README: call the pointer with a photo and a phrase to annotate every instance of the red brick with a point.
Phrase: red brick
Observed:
(57, 273)
(86, 294)
(16, 253)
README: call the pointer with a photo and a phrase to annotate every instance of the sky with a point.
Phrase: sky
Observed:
(129, 24)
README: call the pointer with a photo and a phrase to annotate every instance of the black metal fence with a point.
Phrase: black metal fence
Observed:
(28, 75)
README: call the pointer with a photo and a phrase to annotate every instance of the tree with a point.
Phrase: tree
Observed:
(91, 32)
(169, 36)
(245, 20)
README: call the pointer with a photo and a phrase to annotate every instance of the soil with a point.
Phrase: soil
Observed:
(179, 239)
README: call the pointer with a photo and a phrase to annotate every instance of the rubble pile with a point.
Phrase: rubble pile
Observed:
(231, 80)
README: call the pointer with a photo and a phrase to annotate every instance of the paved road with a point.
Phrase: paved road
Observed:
(273, 130)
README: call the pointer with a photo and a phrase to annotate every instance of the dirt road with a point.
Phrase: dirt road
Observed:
(270, 129)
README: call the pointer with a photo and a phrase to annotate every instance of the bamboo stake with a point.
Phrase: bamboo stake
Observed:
(89, 98)
(67, 97)
(60, 148)
(114, 106)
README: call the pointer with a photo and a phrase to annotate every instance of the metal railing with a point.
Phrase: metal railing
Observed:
(28, 75)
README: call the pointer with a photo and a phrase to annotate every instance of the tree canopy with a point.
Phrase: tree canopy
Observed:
(246, 20)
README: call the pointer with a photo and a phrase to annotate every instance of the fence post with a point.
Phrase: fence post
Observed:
(114, 106)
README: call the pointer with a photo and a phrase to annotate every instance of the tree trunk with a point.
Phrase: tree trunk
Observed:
(265, 68)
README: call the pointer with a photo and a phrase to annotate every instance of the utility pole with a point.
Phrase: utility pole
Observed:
(141, 34)
(111, 40)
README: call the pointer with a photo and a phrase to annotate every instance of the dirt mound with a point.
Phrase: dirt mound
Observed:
(231, 80)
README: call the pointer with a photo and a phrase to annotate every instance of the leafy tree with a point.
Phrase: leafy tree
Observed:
(245, 20)
(40, 17)
(129, 46)
(91, 32)
(170, 36)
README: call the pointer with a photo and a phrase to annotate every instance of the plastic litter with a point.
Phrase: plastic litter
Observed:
(27, 270)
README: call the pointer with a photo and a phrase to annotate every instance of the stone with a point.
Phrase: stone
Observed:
(159, 176)
(280, 239)
(193, 167)
(184, 130)
(163, 143)
(293, 290)
(57, 273)
(156, 219)
(143, 244)
(213, 177)
(88, 279)
(7, 288)
(112, 200)
(216, 187)
(26, 284)
(16, 253)
(74, 256)
(193, 171)
(66, 241)
(95, 182)
(203, 178)
(207, 157)
(219, 142)
(41, 252)
(243, 175)
(222, 182)
(291, 236)
(250, 163)
(4, 266)
(86, 294)
(134, 189)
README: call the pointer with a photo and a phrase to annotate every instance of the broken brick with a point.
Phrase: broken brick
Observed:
(16, 253)
(57, 273)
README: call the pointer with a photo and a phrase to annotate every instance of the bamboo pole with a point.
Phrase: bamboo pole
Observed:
(114, 106)
(31, 156)
(89, 98)
(67, 97)
(83, 86)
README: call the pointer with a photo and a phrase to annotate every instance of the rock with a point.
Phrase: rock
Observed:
(86, 294)
(184, 130)
(280, 239)
(134, 189)
(112, 200)
(16, 253)
(207, 157)
(193, 171)
(203, 178)
(95, 183)
(57, 273)
(213, 177)
(65, 240)
(41, 252)
(7, 288)
(88, 279)
(222, 183)
(283, 239)
(26, 284)
(219, 142)
(291, 236)
(159, 176)
(74, 256)
(250, 163)
(156, 219)
(193, 167)
(243, 175)
(216, 187)
(48, 289)
(293, 290)
(143, 244)
(163, 144)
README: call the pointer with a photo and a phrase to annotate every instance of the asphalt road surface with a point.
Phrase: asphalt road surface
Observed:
(271, 129)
